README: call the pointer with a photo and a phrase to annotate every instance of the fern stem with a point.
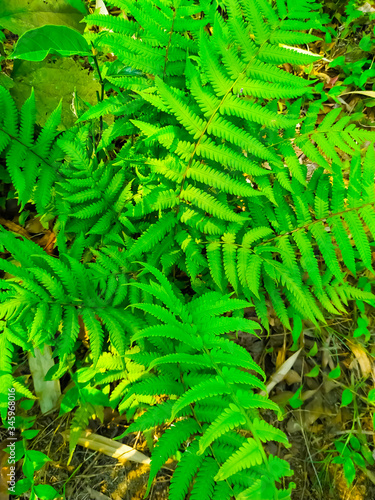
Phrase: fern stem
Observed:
(299, 228)
(43, 160)
(101, 96)
(169, 43)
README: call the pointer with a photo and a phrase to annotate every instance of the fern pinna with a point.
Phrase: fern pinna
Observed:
(206, 209)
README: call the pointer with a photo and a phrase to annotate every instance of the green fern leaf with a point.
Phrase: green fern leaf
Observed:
(169, 443)
(326, 247)
(266, 432)
(204, 483)
(185, 471)
(360, 238)
(209, 204)
(207, 389)
(230, 418)
(94, 331)
(247, 456)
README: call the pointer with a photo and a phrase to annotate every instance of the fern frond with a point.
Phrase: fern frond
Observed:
(247, 456)
(169, 443)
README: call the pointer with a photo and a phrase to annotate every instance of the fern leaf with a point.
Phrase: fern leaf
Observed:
(223, 154)
(230, 418)
(229, 259)
(169, 443)
(172, 332)
(211, 177)
(355, 225)
(250, 400)
(9, 111)
(255, 234)
(204, 483)
(94, 331)
(309, 260)
(209, 204)
(192, 123)
(185, 471)
(253, 274)
(154, 234)
(207, 389)
(247, 456)
(215, 263)
(70, 331)
(254, 112)
(326, 247)
(266, 432)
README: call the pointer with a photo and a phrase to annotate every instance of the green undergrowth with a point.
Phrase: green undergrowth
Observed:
(200, 184)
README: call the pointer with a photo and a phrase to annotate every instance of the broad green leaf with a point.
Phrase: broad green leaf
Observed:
(69, 401)
(359, 460)
(19, 16)
(347, 397)
(354, 443)
(79, 5)
(36, 44)
(6, 81)
(349, 470)
(46, 492)
(27, 404)
(53, 80)
(37, 458)
(295, 401)
(30, 433)
(371, 395)
(335, 373)
(313, 350)
(22, 486)
(314, 372)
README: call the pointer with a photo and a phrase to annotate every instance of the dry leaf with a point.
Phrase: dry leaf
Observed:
(366, 7)
(47, 391)
(279, 375)
(15, 228)
(96, 495)
(308, 394)
(313, 411)
(109, 447)
(280, 358)
(292, 377)
(368, 93)
(362, 358)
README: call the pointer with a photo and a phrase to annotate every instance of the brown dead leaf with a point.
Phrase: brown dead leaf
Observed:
(82, 335)
(292, 377)
(96, 495)
(47, 241)
(282, 398)
(355, 492)
(326, 354)
(367, 368)
(15, 228)
(312, 411)
(308, 394)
